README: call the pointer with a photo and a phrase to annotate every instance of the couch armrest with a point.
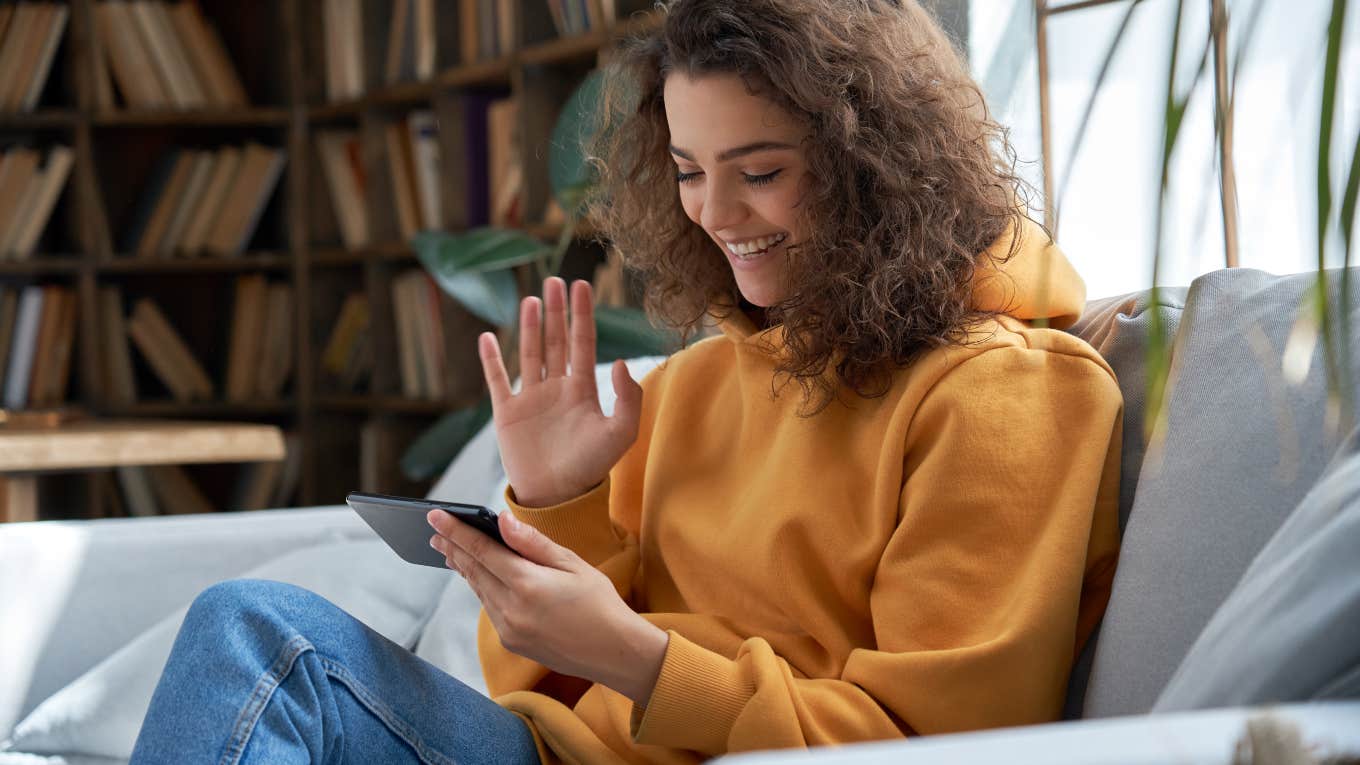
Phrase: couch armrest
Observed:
(72, 592)
(1207, 737)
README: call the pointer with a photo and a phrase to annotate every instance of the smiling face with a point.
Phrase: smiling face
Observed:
(740, 168)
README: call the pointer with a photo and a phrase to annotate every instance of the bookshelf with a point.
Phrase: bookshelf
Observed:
(346, 437)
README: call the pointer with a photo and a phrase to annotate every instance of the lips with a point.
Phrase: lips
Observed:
(754, 248)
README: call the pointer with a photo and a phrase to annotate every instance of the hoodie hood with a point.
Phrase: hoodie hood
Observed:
(1037, 282)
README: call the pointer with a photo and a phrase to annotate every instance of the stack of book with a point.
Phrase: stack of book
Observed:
(204, 201)
(169, 489)
(30, 34)
(574, 17)
(347, 361)
(162, 55)
(29, 190)
(259, 359)
(260, 356)
(421, 348)
(37, 332)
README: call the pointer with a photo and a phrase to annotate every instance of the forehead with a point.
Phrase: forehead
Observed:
(709, 113)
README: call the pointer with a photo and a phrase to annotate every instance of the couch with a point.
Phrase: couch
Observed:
(1232, 634)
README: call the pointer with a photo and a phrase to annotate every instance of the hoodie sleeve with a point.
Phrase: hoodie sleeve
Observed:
(1001, 559)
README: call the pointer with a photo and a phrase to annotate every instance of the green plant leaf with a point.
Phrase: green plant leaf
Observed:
(481, 249)
(568, 170)
(432, 452)
(625, 333)
(491, 296)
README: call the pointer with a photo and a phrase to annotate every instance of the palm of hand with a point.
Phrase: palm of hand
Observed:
(555, 441)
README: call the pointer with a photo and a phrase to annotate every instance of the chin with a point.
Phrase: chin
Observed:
(758, 295)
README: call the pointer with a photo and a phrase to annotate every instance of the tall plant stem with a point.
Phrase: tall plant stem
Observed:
(1223, 118)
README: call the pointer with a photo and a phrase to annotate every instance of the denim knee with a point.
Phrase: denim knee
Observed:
(235, 597)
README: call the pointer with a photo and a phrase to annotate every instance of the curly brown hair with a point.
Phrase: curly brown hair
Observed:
(909, 180)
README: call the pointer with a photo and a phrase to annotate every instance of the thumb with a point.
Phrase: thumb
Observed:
(628, 405)
(533, 545)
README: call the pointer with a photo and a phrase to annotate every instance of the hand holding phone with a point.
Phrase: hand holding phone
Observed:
(400, 522)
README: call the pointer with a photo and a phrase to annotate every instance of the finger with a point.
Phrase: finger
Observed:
(534, 546)
(582, 333)
(483, 584)
(628, 401)
(477, 547)
(555, 327)
(530, 343)
(493, 368)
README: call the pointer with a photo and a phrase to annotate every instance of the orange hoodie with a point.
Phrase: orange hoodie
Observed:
(922, 562)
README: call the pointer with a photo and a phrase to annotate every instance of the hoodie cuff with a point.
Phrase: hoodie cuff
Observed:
(696, 701)
(581, 524)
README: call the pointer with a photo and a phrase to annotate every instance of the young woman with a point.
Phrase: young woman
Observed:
(881, 503)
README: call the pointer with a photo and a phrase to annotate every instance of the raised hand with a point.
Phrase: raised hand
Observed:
(555, 441)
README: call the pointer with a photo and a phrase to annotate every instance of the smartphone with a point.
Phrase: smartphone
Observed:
(400, 521)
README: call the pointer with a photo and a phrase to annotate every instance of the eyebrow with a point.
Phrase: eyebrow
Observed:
(740, 151)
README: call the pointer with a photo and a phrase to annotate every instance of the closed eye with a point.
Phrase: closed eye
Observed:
(752, 180)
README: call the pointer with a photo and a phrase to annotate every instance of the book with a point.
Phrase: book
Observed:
(168, 58)
(504, 169)
(121, 384)
(54, 302)
(19, 168)
(47, 188)
(408, 338)
(189, 201)
(258, 483)
(24, 347)
(21, 51)
(276, 359)
(208, 56)
(138, 496)
(225, 167)
(291, 474)
(36, 79)
(129, 63)
(9, 309)
(251, 189)
(167, 197)
(176, 492)
(401, 33)
(424, 130)
(476, 189)
(342, 27)
(345, 183)
(169, 357)
(467, 31)
(147, 200)
(52, 392)
(349, 324)
(247, 337)
(399, 162)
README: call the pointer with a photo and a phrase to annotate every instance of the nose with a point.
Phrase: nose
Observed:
(723, 208)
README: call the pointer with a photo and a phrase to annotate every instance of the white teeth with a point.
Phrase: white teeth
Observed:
(747, 250)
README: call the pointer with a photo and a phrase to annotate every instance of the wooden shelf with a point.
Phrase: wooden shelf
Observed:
(170, 408)
(251, 117)
(46, 118)
(582, 48)
(379, 404)
(41, 266)
(264, 261)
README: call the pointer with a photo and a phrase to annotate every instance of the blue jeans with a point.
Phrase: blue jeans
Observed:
(266, 672)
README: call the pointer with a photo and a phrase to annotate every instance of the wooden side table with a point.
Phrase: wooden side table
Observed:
(95, 444)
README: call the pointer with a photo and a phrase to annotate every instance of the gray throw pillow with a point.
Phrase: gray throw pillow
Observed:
(1242, 448)
(1290, 630)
